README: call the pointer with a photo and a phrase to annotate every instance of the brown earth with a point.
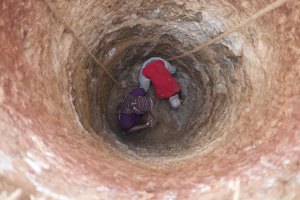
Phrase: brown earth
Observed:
(238, 137)
(175, 129)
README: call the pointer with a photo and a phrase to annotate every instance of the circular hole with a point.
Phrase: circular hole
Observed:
(206, 79)
(245, 137)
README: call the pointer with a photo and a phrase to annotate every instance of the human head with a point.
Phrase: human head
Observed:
(175, 101)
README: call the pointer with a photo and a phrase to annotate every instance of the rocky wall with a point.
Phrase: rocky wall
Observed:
(241, 140)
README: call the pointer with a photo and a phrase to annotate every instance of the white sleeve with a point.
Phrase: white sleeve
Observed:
(144, 82)
(169, 67)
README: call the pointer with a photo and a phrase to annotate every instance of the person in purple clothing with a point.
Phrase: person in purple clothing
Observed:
(132, 108)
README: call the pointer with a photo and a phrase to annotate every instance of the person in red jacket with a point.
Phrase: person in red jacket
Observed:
(159, 72)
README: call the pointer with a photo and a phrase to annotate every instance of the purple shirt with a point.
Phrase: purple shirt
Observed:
(132, 107)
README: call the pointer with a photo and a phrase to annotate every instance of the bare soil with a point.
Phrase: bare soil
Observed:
(171, 124)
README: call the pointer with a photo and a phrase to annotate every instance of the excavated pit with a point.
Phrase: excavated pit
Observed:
(208, 80)
(237, 134)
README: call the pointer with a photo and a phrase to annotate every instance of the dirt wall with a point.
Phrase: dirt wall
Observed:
(56, 139)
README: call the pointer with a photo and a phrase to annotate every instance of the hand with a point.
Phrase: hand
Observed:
(151, 123)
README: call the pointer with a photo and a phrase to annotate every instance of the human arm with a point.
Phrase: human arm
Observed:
(171, 69)
(138, 128)
(144, 82)
(150, 123)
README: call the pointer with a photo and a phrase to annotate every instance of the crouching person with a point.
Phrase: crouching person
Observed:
(159, 72)
(131, 110)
